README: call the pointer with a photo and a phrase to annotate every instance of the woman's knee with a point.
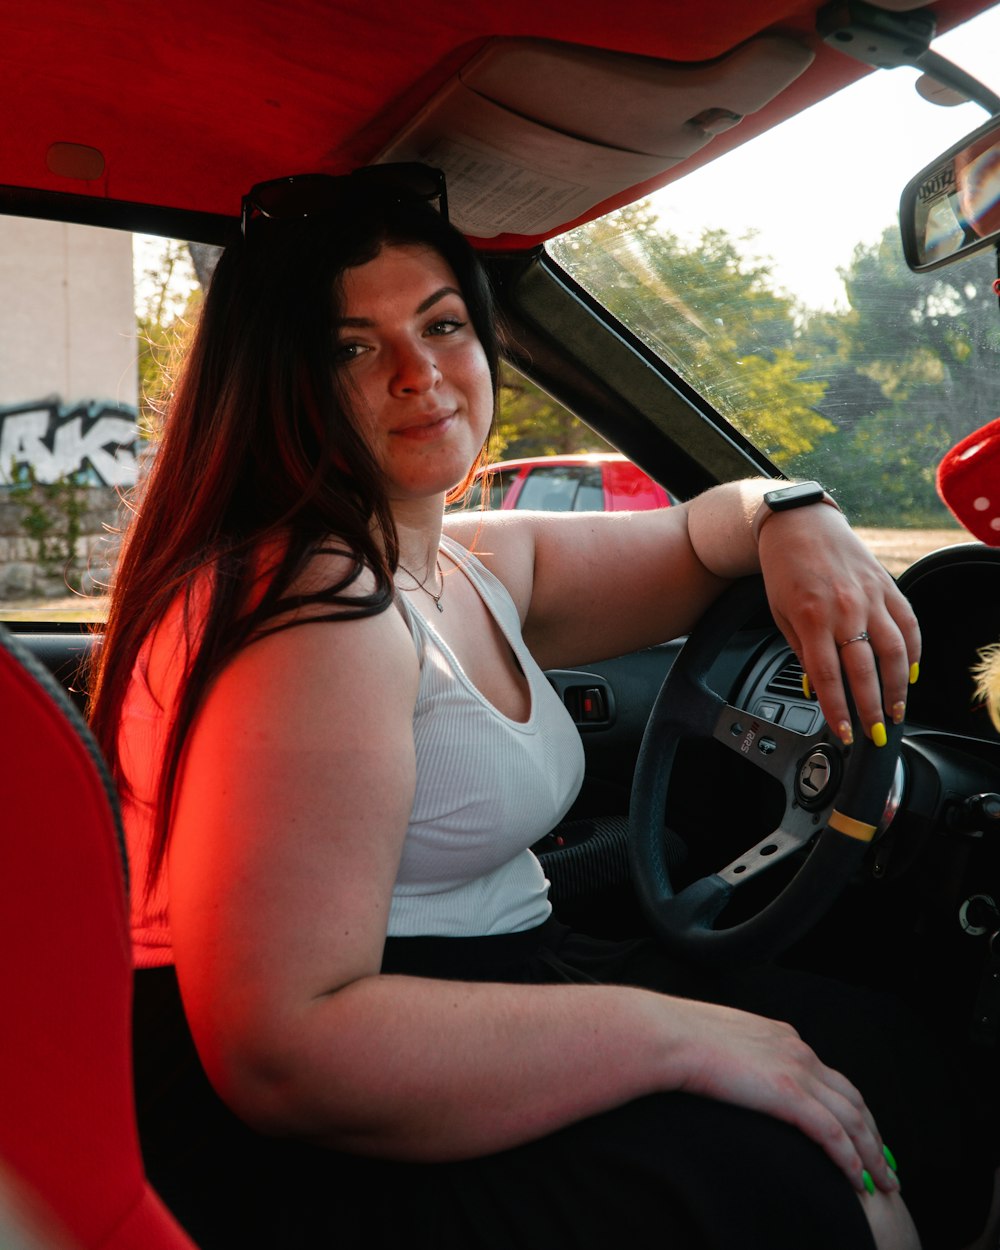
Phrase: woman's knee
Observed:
(890, 1222)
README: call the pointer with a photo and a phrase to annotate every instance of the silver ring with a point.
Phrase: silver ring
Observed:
(862, 637)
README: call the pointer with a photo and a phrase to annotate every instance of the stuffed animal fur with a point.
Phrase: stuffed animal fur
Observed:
(986, 674)
(968, 480)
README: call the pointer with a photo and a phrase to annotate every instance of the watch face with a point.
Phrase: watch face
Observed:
(795, 496)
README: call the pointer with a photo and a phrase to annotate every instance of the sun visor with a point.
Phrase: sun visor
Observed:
(532, 134)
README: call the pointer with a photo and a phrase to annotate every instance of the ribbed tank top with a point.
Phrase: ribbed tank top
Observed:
(487, 786)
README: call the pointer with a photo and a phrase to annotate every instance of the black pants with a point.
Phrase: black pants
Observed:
(669, 1171)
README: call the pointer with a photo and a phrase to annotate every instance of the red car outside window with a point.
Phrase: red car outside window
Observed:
(581, 483)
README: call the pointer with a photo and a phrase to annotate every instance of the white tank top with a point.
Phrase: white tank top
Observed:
(487, 786)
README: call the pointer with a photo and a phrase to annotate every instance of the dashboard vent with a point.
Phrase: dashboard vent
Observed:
(787, 681)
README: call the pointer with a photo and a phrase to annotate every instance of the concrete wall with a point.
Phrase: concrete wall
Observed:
(68, 401)
(68, 352)
(24, 574)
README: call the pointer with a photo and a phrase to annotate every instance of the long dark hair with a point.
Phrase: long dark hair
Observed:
(260, 443)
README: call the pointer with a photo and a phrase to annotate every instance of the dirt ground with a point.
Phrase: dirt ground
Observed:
(71, 608)
(897, 549)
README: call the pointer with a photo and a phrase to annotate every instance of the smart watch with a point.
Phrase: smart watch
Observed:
(798, 495)
(795, 495)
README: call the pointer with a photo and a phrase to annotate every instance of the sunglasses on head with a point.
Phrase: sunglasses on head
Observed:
(312, 195)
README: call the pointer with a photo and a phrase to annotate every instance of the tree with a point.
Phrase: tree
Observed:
(531, 423)
(868, 399)
(912, 366)
(167, 299)
(708, 308)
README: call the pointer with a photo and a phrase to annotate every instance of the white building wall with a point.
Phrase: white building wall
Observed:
(68, 355)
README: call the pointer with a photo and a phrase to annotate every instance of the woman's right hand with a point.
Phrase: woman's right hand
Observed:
(764, 1065)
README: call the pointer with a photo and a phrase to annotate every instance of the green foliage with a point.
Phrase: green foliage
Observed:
(710, 310)
(531, 423)
(911, 367)
(868, 399)
(52, 519)
(168, 299)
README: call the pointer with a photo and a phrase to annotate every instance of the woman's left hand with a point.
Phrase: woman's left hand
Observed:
(842, 615)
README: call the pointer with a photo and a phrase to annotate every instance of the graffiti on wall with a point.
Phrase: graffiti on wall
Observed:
(91, 442)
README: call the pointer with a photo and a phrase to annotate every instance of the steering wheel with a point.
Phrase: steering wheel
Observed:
(815, 771)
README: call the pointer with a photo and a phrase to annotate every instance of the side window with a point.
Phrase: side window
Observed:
(473, 498)
(88, 329)
(499, 485)
(590, 493)
(563, 488)
(550, 489)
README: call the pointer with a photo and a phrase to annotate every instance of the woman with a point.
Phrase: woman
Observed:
(330, 725)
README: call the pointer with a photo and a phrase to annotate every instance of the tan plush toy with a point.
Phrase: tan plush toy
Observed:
(968, 480)
(987, 677)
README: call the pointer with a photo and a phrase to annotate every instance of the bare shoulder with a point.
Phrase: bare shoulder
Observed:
(330, 567)
(328, 652)
(505, 543)
(345, 646)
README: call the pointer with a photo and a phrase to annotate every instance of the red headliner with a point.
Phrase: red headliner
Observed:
(191, 102)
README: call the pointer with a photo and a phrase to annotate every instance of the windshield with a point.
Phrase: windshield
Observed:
(773, 282)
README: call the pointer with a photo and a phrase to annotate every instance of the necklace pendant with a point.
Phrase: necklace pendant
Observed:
(422, 585)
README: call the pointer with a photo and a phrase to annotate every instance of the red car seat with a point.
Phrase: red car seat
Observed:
(67, 1119)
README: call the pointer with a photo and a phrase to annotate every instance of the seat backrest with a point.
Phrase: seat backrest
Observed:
(67, 1118)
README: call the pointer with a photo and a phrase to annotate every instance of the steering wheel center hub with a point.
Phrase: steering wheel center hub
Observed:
(818, 778)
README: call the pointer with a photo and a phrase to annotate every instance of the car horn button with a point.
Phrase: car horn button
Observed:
(818, 778)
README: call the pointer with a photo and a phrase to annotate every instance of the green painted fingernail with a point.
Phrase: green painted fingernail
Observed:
(889, 1158)
(878, 734)
(866, 1176)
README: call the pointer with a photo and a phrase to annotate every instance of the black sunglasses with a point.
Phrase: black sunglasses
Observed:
(312, 195)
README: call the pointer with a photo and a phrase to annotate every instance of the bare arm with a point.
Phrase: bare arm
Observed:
(593, 585)
(291, 813)
(590, 585)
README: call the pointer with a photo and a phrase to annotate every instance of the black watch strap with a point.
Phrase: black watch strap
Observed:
(784, 498)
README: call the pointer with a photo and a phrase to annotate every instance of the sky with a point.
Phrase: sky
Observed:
(833, 143)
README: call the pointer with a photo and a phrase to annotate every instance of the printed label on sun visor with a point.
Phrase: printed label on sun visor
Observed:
(496, 196)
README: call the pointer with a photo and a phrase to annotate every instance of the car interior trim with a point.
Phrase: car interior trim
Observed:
(617, 379)
(515, 127)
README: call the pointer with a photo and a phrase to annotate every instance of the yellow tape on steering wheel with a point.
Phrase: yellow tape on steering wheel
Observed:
(851, 827)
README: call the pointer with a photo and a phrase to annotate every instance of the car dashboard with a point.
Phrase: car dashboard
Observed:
(930, 883)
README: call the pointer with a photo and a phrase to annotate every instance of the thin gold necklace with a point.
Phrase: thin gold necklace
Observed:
(423, 584)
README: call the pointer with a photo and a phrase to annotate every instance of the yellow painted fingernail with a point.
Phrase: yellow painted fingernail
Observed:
(914, 673)
(845, 732)
(806, 688)
(898, 712)
(879, 734)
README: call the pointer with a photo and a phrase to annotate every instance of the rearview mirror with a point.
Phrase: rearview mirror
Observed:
(952, 207)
